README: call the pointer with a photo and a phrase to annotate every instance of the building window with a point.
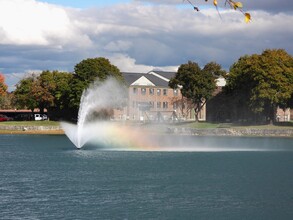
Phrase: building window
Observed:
(158, 104)
(143, 91)
(134, 90)
(158, 91)
(175, 92)
(152, 91)
(165, 105)
(165, 91)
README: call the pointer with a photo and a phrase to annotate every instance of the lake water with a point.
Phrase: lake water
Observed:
(45, 177)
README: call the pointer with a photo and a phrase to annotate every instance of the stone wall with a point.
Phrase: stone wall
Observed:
(30, 128)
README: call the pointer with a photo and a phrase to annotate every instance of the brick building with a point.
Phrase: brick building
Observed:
(151, 99)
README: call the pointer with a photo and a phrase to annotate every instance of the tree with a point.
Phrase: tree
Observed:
(262, 82)
(5, 101)
(4, 97)
(50, 90)
(42, 90)
(61, 92)
(196, 84)
(96, 68)
(86, 72)
(62, 88)
(23, 97)
(3, 86)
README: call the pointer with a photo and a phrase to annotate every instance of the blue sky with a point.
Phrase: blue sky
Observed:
(135, 35)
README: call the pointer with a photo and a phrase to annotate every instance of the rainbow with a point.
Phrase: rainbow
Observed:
(122, 137)
(109, 136)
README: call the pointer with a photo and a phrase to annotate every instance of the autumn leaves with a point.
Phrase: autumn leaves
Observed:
(233, 5)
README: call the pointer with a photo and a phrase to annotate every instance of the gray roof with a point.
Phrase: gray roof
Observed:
(156, 80)
(132, 77)
(165, 74)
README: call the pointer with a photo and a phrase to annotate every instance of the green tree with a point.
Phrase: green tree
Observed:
(92, 68)
(61, 92)
(22, 96)
(86, 72)
(262, 82)
(197, 84)
(62, 88)
(215, 69)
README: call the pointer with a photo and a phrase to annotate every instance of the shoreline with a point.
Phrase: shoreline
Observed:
(32, 132)
(46, 130)
(229, 132)
(234, 132)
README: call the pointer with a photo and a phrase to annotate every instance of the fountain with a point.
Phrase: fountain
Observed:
(100, 95)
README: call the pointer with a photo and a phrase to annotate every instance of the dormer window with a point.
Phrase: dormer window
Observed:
(143, 91)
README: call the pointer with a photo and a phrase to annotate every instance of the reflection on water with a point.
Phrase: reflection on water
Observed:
(45, 177)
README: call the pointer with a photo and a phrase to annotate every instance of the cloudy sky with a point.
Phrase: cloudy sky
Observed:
(135, 35)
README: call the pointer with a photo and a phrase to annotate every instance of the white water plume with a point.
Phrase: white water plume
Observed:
(108, 94)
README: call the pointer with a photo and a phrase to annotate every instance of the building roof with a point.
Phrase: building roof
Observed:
(156, 77)
(131, 78)
(157, 81)
(167, 75)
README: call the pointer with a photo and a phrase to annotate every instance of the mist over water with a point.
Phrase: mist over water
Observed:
(110, 135)
(99, 96)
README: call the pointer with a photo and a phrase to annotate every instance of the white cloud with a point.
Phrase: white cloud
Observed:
(134, 36)
(128, 64)
(28, 22)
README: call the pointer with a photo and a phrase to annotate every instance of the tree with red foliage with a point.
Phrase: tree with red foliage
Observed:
(3, 86)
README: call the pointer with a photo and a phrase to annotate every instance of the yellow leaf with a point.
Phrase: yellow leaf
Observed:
(234, 5)
(238, 5)
(247, 17)
(215, 3)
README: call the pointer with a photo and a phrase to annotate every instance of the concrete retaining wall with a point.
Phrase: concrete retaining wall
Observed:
(30, 128)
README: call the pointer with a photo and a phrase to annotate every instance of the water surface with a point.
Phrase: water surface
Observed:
(45, 177)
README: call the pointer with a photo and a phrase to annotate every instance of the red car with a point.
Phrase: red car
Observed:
(4, 118)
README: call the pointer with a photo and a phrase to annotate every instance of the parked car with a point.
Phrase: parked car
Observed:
(5, 118)
(40, 117)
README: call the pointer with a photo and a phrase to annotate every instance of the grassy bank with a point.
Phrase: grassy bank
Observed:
(206, 125)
